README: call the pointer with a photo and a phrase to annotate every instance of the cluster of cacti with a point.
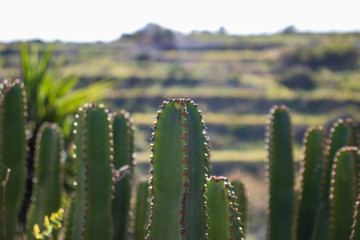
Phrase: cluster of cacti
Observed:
(325, 206)
(181, 200)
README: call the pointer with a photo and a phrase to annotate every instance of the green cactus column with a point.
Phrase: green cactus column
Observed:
(312, 169)
(241, 201)
(142, 210)
(343, 133)
(281, 175)
(93, 156)
(47, 197)
(123, 137)
(179, 156)
(343, 192)
(12, 153)
(223, 217)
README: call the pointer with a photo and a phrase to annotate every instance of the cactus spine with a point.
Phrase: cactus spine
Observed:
(142, 210)
(123, 137)
(13, 108)
(312, 168)
(179, 156)
(49, 148)
(281, 175)
(93, 154)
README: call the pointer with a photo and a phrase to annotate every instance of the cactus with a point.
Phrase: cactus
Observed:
(49, 150)
(241, 202)
(223, 216)
(13, 108)
(178, 173)
(281, 175)
(312, 168)
(343, 133)
(355, 231)
(343, 192)
(142, 210)
(123, 137)
(93, 154)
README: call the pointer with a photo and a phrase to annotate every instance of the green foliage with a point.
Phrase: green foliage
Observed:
(338, 54)
(12, 153)
(52, 97)
(281, 175)
(50, 225)
(178, 176)
(298, 78)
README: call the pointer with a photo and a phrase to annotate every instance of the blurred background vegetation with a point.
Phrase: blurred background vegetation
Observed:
(234, 79)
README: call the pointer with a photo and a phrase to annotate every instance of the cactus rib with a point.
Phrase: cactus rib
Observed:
(13, 113)
(178, 172)
(281, 175)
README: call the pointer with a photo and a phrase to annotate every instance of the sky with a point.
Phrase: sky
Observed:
(107, 20)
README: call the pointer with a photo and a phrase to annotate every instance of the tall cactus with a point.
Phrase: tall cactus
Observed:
(47, 197)
(12, 153)
(179, 156)
(241, 202)
(281, 175)
(142, 210)
(123, 137)
(343, 133)
(343, 192)
(93, 155)
(312, 168)
(223, 216)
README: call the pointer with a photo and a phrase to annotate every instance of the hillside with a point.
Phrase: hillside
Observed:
(234, 79)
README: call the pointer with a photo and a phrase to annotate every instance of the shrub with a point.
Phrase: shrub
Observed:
(298, 77)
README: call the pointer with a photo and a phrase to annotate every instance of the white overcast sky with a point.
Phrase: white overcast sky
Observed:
(107, 20)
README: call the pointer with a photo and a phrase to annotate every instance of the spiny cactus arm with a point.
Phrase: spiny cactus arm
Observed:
(178, 161)
(142, 210)
(281, 174)
(98, 173)
(49, 148)
(355, 232)
(343, 133)
(93, 156)
(241, 202)
(223, 217)
(197, 154)
(167, 181)
(343, 192)
(13, 112)
(311, 172)
(79, 200)
(123, 131)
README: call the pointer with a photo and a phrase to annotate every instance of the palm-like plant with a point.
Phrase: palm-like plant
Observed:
(51, 96)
